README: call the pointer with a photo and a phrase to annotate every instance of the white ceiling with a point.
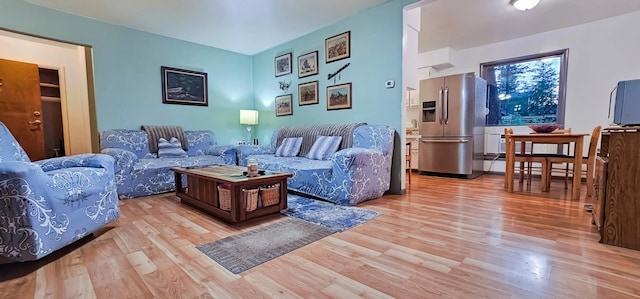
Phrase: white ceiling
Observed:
(462, 24)
(252, 26)
(243, 26)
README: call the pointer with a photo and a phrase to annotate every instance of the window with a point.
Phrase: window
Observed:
(526, 90)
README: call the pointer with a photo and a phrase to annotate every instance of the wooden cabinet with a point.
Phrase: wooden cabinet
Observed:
(616, 208)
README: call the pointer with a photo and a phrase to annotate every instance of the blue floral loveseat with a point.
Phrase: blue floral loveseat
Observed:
(359, 170)
(48, 204)
(140, 173)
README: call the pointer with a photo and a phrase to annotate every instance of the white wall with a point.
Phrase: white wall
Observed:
(601, 53)
(70, 61)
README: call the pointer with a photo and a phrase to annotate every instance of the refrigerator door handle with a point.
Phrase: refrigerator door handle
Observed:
(446, 105)
(445, 141)
(441, 99)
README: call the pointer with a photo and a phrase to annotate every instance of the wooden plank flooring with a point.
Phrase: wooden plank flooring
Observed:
(445, 238)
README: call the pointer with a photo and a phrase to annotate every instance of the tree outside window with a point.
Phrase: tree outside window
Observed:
(526, 90)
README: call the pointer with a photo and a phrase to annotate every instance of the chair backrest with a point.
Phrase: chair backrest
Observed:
(507, 132)
(10, 149)
(595, 137)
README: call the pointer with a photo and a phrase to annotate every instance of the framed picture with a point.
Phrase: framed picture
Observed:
(283, 64)
(184, 87)
(284, 105)
(308, 64)
(338, 47)
(339, 96)
(308, 93)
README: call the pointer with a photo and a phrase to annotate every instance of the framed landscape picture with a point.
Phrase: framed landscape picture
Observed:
(284, 105)
(308, 64)
(283, 64)
(339, 96)
(184, 87)
(308, 93)
(338, 47)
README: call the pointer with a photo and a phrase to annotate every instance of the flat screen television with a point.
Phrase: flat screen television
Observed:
(624, 103)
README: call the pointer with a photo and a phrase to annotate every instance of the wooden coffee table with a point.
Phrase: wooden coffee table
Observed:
(210, 188)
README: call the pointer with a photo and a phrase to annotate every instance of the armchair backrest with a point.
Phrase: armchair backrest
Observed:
(137, 141)
(374, 136)
(10, 149)
(199, 141)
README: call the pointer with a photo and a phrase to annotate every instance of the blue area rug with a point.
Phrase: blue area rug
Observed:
(329, 215)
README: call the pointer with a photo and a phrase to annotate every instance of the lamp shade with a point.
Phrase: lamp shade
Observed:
(248, 117)
(524, 4)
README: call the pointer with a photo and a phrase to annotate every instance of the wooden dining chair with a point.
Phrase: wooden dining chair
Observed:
(526, 161)
(563, 153)
(568, 159)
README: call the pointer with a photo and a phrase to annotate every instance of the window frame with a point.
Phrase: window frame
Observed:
(564, 63)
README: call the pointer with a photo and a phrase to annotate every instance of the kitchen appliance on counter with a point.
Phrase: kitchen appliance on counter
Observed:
(452, 124)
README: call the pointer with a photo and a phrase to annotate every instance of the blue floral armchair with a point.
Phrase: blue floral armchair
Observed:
(48, 204)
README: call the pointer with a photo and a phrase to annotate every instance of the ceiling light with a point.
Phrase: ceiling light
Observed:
(524, 4)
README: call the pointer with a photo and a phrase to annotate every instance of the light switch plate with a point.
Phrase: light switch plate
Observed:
(389, 84)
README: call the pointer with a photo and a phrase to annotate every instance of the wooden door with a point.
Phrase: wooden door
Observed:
(20, 106)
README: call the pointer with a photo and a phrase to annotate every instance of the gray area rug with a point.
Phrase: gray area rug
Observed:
(246, 250)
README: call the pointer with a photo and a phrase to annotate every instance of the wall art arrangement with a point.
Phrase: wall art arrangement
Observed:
(184, 87)
(339, 96)
(308, 93)
(338, 47)
(283, 64)
(284, 105)
(308, 64)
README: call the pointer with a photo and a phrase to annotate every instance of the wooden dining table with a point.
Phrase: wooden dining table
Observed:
(548, 138)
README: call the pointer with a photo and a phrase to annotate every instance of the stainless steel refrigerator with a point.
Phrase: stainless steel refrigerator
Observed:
(452, 124)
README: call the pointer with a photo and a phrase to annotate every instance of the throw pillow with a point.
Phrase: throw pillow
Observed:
(324, 147)
(170, 149)
(290, 147)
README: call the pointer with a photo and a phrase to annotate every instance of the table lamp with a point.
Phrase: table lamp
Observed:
(249, 118)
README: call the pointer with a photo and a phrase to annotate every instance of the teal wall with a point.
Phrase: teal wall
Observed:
(376, 56)
(127, 74)
(127, 71)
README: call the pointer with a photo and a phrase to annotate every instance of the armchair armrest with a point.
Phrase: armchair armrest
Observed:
(348, 158)
(81, 160)
(20, 169)
(247, 150)
(227, 152)
(124, 161)
(360, 174)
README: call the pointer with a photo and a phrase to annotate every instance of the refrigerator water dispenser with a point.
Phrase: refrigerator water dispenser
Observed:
(429, 112)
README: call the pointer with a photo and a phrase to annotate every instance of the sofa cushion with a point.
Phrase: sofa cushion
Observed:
(290, 147)
(308, 175)
(324, 147)
(170, 149)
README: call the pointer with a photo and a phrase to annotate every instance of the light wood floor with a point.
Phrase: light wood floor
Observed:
(445, 238)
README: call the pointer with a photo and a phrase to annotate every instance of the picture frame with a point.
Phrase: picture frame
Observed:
(284, 105)
(338, 47)
(308, 64)
(184, 87)
(339, 96)
(283, 64)
(308, 93)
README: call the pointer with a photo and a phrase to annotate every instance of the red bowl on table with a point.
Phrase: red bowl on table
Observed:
(543, 128)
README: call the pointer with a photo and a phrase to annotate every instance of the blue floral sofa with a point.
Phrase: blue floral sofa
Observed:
(48, 204)
(140, 173)
(359, 170)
